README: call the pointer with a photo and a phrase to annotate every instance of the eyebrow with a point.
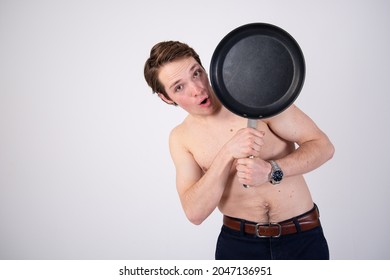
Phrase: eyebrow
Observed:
(178, 81)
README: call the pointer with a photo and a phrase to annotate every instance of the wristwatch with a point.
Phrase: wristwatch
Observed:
(276, 175)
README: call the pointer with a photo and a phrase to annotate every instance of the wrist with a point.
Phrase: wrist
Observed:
(276, 174)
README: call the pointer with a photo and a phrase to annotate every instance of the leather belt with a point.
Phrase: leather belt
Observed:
(304, 222)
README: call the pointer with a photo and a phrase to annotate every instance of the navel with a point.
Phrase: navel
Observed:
(267, 208)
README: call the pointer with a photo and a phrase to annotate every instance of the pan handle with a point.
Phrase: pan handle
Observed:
(252, 123)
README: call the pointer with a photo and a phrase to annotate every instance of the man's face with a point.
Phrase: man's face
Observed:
(187, 85)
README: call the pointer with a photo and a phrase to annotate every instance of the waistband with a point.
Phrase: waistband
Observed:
(304, 222)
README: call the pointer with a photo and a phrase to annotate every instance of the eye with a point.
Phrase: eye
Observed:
(197, 73)
(178, 88)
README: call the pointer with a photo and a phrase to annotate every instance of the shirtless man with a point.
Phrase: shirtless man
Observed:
(271, 219)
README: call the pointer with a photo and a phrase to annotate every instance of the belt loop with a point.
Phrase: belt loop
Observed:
(297, 225)
(242, 227)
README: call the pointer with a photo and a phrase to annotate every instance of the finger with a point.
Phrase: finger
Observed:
(259, 141)
(258, 133)
(255, 152)
(243, 178)
(243, 162)
(256, 148)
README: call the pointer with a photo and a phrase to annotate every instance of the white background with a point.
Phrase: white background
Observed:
(85, 171)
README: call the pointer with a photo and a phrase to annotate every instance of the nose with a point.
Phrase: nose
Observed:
(196, 89)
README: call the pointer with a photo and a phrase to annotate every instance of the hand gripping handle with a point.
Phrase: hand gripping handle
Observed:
(252, 123)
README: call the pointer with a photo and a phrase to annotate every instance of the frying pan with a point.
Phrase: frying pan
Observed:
(257, 71)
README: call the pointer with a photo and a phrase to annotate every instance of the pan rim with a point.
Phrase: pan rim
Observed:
(271, 32)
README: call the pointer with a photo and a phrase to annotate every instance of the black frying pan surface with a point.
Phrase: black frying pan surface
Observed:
(257, 70)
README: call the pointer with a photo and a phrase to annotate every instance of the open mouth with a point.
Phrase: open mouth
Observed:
(204, 101)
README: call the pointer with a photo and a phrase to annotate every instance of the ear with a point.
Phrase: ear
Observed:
(166, 100)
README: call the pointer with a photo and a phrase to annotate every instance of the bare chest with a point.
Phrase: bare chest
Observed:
(205, 143)
(205, 146)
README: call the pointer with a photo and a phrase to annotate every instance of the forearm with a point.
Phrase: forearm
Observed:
(314, 148)
(307, 157)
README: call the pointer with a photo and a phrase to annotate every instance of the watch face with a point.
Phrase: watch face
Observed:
(277, 175)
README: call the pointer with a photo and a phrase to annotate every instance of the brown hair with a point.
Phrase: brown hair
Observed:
(162, 53)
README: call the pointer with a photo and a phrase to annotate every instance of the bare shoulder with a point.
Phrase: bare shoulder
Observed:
(177, 139)
(178, 133)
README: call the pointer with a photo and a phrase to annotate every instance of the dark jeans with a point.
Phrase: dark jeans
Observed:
(307, 245)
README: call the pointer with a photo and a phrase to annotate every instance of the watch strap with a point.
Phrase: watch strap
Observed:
(275, 178)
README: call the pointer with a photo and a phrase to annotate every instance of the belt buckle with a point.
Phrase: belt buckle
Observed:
(268, 224)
